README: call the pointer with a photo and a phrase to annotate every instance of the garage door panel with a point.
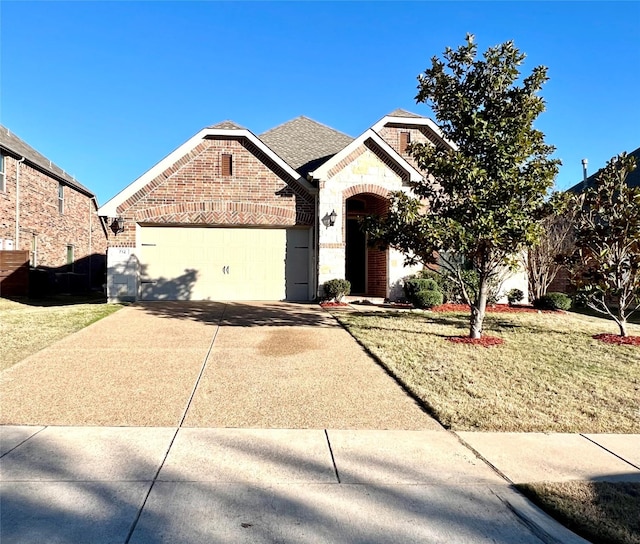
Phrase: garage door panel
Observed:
(216, 263)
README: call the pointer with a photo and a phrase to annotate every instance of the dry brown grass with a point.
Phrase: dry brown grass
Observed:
(550, 374)
(602, 512)
(27, 328)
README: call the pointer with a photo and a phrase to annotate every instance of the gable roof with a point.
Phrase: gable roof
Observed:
(428, 127)
(226, 129)
(369, 135)
(304, 143)
(228, 124)
(633, 179)
(404, 113)
(13, 145)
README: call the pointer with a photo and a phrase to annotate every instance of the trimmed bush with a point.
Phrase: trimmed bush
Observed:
(514, 296)
(336, 289)
(427, 299)
(553, 301)
(415, 285)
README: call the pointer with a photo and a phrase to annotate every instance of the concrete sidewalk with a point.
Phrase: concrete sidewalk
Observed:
(194, 485)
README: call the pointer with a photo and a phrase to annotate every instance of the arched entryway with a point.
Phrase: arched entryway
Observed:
(365, 267)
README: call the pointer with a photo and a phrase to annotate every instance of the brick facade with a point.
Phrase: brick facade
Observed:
(46, 231)
(257, 189)
(193, 191)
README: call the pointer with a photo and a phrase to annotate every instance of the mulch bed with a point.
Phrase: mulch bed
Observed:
(485, 341)
(494, 308)
(617, 339)
(333, 304)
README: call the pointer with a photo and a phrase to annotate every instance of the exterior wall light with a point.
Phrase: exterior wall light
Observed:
(116, 225)
(332, 218)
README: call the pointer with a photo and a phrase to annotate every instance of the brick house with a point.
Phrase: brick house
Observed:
(47, 213)
(234, 216)
(562, 283)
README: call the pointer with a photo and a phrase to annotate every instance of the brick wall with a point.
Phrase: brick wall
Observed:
(41, 221)
(391, 134)
(193, 191)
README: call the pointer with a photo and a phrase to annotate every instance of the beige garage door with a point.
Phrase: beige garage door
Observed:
(183, 263)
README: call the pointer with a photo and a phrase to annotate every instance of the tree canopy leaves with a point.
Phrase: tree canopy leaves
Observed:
(605, 265)
(479, 204)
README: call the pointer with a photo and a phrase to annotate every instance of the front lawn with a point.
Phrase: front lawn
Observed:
(550, 375)
(602, 512)
(29, 326)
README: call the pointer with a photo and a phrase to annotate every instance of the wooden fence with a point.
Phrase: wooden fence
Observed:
(14, 273)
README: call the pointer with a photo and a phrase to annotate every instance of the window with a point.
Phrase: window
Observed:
(60, 198)
(3, 186)
(70, 258)
(405, 140)
(34, 251)
(227, 165)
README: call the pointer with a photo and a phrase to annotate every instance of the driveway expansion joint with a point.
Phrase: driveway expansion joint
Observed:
(482, 458)
(333, 459)
(609, 451)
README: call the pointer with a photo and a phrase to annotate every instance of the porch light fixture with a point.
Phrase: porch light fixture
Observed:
(117, 226)
(332, 218)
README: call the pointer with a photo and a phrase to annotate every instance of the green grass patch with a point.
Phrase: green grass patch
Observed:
(550, 375)
(602, 512)
(29, 326)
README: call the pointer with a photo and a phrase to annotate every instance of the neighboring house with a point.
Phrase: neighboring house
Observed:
(633, 179)
(561, 283)
(46, 212)
(234, 216)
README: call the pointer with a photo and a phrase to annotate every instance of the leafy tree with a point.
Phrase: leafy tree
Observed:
(479, 204)
(605, 266)
(545, 259)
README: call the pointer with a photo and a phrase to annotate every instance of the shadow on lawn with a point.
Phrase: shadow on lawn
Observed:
(60, 300)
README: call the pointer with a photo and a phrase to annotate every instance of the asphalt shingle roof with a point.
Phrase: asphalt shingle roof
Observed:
(305, 144)
(228, 125)
(14, 145)
(404, 113)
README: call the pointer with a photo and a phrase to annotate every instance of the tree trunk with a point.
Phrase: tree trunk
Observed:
(622, 324)
(478, 309)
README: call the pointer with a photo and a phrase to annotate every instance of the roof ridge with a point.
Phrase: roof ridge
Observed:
(304, 117)
(16, 145)
(400, 112)
(227, 124)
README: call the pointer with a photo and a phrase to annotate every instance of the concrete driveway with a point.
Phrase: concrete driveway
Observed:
(255, 365)
(210, 422)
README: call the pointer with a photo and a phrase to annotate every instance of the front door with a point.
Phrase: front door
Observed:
(356, 261)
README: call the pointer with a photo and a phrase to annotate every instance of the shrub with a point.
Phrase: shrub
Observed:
(452, 291)
(427, 299)
(514, 296)
(553, 301)
(413, 286)
(449, 288)
(336, 289)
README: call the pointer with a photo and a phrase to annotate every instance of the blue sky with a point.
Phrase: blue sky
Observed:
(107, 89)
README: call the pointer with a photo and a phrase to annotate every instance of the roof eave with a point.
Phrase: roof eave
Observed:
(416, 121)
(369, 134)
(110, 208)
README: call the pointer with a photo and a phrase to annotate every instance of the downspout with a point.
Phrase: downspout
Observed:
(17, 244)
